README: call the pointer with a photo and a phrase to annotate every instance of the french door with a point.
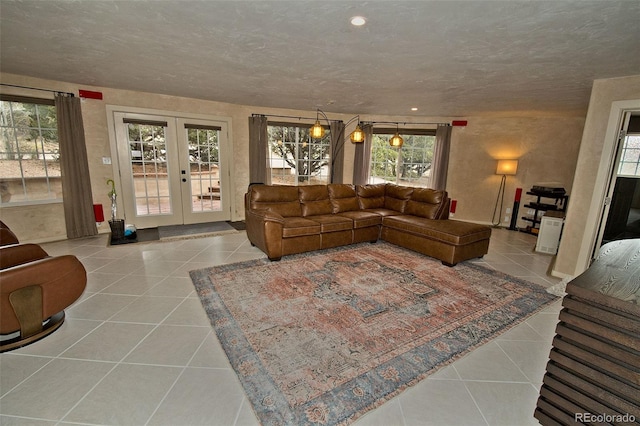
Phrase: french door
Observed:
(173, 170)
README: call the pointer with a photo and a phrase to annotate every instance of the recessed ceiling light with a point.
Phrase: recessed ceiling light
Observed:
(358, 21)
(414, 109)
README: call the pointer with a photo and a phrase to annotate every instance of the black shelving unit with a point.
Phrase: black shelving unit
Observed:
(543, 204)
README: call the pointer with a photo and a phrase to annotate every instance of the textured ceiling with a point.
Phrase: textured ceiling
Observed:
(447, 58)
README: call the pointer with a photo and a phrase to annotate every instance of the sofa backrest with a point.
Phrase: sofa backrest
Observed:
(311, 200)
(314, 200)
(371, 196)
(396, 197)
(283, 200)
(429, 203)
(343, 197)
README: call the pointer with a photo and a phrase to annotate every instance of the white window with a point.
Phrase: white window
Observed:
(29, 151)
(409, 165)
(630, 157)
(295, 158)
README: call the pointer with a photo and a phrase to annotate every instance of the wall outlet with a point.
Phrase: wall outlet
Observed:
(507, 218)
(508, 210)
(451, 214)
(106, 160)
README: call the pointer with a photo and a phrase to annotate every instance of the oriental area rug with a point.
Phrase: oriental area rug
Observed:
(324, 337)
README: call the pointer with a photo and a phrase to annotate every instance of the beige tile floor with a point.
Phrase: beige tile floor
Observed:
(137, 349)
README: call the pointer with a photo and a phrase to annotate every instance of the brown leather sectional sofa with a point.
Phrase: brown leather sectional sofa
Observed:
(284, 220)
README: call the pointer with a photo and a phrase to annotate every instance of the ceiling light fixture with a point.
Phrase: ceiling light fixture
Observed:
(358, 21)
(337, 141)
(357, 136)
(414, 109)
(317, 131)
(396, 140)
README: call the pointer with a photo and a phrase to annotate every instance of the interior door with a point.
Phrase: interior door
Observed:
(173, 170)
(618, 211)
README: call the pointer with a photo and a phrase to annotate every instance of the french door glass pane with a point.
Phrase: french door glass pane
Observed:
(204, 169)
(148, 154)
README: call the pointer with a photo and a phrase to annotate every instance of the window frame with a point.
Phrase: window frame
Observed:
(297, 179)
(625, 159)
(405, 133)
(46, 176)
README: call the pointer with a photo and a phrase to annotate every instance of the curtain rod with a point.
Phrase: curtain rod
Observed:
(35, 88)
(404, 123)
(283, 116)
(364, 122)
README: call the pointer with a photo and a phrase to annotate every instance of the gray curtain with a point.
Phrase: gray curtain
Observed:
(76, 182)
(440, 163)
(362, 157)
(258, 141)
(337, 151)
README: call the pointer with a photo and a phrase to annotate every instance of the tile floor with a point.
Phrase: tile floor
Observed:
(137, 349)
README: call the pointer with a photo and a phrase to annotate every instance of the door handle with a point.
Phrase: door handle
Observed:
(184, 180)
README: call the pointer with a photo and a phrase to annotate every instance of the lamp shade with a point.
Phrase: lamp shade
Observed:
(507, 167)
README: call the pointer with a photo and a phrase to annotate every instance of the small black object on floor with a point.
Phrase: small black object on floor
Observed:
(239, 225)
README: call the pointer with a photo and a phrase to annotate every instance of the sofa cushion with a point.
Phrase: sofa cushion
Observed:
(314, 200)
(298, 227)
(370, 196)
(343, 197)
(362, 218)
(452, 232)
(396, 197)
(332, 222)
(426, 202)
(283, 200)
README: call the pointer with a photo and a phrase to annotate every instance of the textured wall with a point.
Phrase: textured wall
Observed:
(578, 232)
(546, 148)
(545, 144)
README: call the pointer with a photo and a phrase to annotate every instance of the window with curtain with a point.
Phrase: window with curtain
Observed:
(29, 151)
(295, 158)
(409, 165)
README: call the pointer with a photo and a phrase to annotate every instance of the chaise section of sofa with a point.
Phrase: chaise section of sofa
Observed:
(283, 220)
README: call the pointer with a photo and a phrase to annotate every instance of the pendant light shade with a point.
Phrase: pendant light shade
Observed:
(316, 131)
(396, 140)
(357, 136)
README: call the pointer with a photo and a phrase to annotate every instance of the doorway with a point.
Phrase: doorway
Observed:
(621, 213)
(173, 170)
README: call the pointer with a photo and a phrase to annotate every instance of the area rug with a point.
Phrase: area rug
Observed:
(324, 337)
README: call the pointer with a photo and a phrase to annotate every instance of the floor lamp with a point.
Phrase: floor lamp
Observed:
(504, 168)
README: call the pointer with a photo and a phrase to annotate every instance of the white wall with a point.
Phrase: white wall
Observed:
(591, 174)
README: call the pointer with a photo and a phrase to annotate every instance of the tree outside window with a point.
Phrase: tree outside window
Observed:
(29, 152)
(409, 165)
(295, 158)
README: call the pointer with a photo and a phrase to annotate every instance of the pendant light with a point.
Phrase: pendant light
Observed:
(357, 136)
(317, 131)
(396, 140)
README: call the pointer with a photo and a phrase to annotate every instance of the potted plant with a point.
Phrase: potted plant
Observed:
(117, 225)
